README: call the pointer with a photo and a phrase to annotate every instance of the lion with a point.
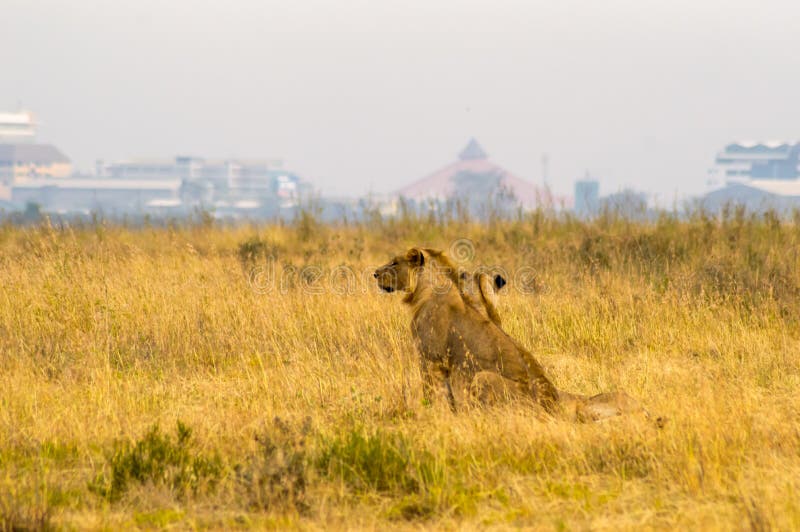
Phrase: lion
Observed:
(455, 324)
(470, 355)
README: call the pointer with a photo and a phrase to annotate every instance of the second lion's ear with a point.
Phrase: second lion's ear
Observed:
(415, 257)
(499, 281)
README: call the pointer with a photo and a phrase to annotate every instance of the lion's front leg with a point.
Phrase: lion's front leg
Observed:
(436, 382)
(449, 391)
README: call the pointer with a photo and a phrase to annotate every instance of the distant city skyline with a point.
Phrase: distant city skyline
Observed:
(371, 96)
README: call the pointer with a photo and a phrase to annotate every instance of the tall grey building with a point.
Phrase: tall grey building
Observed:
(587, 197)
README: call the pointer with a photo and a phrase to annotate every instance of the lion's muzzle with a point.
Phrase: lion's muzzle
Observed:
(386, 280)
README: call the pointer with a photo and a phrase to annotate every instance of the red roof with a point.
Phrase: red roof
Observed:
(473, 160)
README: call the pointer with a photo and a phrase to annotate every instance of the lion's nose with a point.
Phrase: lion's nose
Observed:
(375, 275)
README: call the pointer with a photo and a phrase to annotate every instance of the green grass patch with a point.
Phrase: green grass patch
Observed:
(379, 461)
(158, 459)
(161, 518)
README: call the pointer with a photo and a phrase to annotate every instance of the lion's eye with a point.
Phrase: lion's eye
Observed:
(394, 263)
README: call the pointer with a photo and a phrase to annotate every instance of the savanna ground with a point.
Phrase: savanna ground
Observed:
(203, 376)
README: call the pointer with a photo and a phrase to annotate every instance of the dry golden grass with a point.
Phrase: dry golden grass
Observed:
(106, 332)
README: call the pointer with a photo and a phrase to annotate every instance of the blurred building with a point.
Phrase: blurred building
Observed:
(587, 197)
(40, 174)
(17, 128)
(184, 167)
(104, 195)
(476, 180)
(781, 195)
(625, 203)
(30, 161)
(211, 182)
(756, 175)
(747, 160)
(229, 188)
(21, 158)
(33, 160)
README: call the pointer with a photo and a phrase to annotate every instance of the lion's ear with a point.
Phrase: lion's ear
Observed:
(499, 281)
(415, 257)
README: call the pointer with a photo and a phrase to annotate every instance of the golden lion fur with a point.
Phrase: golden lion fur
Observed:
(465, 353)
(456, 341)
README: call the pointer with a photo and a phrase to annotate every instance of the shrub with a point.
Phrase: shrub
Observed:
(159, 460)
(255, 249)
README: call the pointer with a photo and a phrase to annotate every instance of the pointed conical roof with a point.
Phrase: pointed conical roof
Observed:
(473, 162)
(473, 152)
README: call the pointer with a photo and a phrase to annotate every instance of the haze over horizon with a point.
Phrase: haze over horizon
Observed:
(359, 96)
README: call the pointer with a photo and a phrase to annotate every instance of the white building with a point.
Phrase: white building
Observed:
(33, 173)
(111, 196)
(756, 175)
(17, 128)
(746, 160)
(222, 184)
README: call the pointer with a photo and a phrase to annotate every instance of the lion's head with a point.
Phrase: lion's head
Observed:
(479, 278)
(399, 273)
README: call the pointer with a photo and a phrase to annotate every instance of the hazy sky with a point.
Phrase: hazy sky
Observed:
(360, 95)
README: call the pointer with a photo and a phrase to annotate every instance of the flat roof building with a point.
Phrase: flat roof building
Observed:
(16, 128)
(758, 175)
(101, 195)
(745, 160)
(25, 161)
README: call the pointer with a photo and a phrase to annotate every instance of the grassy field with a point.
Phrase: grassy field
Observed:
(254, 377)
